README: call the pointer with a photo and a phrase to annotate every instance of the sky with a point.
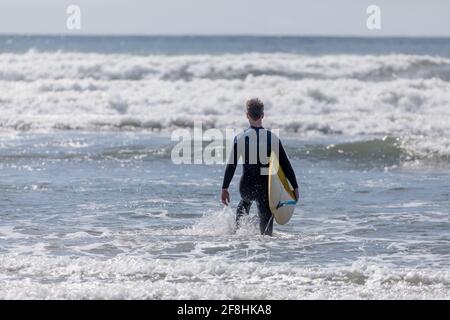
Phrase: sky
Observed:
(227, 17)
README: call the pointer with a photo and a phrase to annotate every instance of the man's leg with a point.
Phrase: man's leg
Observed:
(265, 217)
(242, 208)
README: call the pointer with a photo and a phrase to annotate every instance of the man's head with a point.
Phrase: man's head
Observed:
(255, 109)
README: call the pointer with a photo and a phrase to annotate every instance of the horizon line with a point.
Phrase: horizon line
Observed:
(224, 35)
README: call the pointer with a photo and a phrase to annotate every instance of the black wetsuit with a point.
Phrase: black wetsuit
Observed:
(254, 185)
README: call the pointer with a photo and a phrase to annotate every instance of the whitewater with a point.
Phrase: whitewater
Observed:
(403, 96)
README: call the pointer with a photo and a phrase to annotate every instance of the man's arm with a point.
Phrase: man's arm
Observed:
(229, 173)
(287, 169)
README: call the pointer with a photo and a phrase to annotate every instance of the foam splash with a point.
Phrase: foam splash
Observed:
(222, 223)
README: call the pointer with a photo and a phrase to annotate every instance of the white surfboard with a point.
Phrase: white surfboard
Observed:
(281, 194)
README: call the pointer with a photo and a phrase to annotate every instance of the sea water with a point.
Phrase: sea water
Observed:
(92, 205)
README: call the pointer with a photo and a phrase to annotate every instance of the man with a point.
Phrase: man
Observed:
(253, 147)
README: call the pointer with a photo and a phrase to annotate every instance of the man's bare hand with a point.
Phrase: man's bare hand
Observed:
(225, 197)
(297, 195)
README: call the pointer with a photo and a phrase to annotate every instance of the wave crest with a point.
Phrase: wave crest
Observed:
(34, 66)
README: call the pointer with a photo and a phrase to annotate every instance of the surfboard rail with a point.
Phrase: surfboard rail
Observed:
(282, 199)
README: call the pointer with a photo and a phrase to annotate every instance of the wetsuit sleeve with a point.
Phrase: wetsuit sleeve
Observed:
(287, 167)
(231, 167)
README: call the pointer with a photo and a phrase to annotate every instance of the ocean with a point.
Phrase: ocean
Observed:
(92, 205)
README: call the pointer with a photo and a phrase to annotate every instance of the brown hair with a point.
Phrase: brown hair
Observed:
(255, 108)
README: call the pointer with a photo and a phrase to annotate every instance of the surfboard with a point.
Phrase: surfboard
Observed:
(281, 194)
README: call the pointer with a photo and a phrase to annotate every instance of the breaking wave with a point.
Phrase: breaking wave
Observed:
(362, 96)
(34, 66)
(383, 152)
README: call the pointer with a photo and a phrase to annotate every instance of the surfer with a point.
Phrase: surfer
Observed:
(253, 186)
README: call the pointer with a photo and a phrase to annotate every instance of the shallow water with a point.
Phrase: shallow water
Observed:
(102, 215)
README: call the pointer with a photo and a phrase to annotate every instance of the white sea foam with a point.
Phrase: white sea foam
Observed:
(405, 96)
(212, 278)
(33, 66)
(208, 260)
